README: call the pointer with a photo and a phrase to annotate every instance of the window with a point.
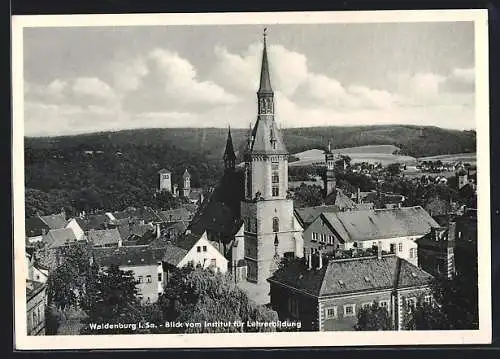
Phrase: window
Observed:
(275, 178)
(275, 166)
(198, 248)
(392, 247)
(366, 305)
(276, 224)
(315, 236)
(160, 277)
(35, 319)
(330, 239)
(383, 304)
(413, 253)
(410, 303)
(450, 251)
(349, 310)
(331, 313)
(204, 248)
(213, 262)
(400, 247)
(428, 299)
(276, 191)
(148, 279)
(139, 279)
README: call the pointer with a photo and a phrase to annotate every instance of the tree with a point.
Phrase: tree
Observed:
(454, 307)
(111, 297)
(373, 317)
(66, 283)
(196, 295)
(394, 169)
(308, 196)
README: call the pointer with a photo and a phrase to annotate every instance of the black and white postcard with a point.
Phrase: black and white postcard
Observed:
(251, 179)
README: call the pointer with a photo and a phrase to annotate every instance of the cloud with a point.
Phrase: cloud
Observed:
(76, 91)
(466, 75)
(171, 83)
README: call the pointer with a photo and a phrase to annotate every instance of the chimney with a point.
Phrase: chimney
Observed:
(320, 264)
(379, 250)
(158, 232)
(358, 196)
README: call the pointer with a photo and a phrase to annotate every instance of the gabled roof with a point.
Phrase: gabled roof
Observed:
(35, 226)
(173, 254)
(104, 236)
(128, 256)
(54, 221)
(355, 275)
(307, 215)
(59, 237)
(380, 223)
(341, 200)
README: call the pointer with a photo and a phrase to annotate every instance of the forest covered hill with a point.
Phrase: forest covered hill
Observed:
(112, 170)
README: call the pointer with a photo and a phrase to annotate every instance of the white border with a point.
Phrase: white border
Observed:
(483, 335)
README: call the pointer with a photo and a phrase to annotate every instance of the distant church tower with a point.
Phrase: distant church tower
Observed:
(186, 183)
(165, 180)
(329, 178)
(229, 156)
(462, 178)
(271, 230)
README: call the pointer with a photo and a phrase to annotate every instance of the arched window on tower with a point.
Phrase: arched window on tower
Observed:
(276, 224)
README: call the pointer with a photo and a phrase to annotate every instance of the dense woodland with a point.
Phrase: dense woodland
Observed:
(114, 170)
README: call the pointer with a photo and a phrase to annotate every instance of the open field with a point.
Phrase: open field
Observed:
(370, 154)
(464, 157)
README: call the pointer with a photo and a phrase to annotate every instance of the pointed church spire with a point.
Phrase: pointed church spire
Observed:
(265, 80)
(229, 156)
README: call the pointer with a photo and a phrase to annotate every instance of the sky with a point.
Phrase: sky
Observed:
(89, 79)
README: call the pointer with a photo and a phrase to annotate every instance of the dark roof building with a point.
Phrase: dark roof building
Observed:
(328, 296)
(176, 214)
(62, 237)
(128, 256)
(307, 215)
(35, 226)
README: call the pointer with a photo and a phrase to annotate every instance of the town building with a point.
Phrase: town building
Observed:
(145, 263)
(193, 249)
(327, 294)
(165, 180)
(36, 296)
(396, 229)
(436, 251)
(35, 307)
(105, 238)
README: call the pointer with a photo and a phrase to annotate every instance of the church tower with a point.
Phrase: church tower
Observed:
(229, 156)
(270, 228)
(186, 184)
(329, 178)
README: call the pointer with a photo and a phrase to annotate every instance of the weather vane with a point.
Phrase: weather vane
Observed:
(265, 32)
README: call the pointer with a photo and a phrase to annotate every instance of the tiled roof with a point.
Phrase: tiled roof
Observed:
(339, 199)
(33, 288)
(104, 236)
(176, 214)
(128, 256)
(59, 237)
(173, 254)
(34, 226)
(357, 275)
(308, 214)
(55, 221)
(381, 223)
(220, 211)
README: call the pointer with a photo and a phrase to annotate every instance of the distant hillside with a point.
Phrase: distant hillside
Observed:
(412, 140)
